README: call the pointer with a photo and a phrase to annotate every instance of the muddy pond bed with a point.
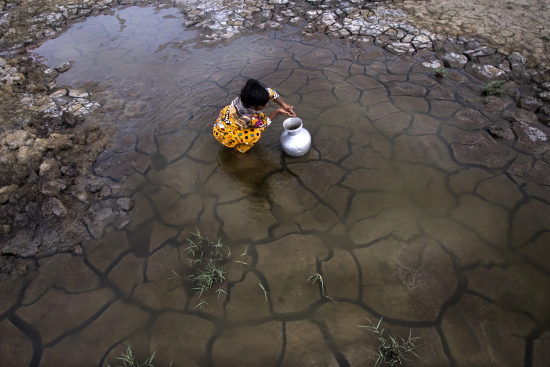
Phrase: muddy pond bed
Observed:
(407, 206)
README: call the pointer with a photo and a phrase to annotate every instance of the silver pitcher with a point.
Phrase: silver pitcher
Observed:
(295, 140)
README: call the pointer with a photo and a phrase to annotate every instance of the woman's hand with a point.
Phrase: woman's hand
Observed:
(289, 110)
(286, 111)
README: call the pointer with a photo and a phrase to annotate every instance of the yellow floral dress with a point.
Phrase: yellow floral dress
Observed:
(240, 127)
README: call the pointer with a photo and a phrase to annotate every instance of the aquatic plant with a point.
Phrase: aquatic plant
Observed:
(265, 292)
(318, 278)
(207, 261)
(391, 351)
(441, 72)
(129, 360)
(494, 88)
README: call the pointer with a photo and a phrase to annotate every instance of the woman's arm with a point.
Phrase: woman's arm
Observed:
(286, 107)
(280, 111)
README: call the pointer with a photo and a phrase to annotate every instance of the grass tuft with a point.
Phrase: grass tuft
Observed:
(494, 88)
(391, 351)
(441, 73)
(129, 360)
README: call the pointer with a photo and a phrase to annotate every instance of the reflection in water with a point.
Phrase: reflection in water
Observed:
(404, 204)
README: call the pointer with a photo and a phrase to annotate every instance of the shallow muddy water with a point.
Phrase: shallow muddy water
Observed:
(405, 205)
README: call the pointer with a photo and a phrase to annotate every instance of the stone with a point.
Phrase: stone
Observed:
(500, 131)
(56, 312)
(520, 115)
(470, 119)
(53, 187)
(117, 322)
(16, 139)
(453, 60)
(125, 204)
(78, 93)
(285, 261)
(400, 48)
(488, 73)
(65, 66)
(494, 104)
(54, 207)
(233, 346)
(530, 139)
(530, 103)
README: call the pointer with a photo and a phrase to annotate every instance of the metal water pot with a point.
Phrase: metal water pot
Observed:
(295, 140)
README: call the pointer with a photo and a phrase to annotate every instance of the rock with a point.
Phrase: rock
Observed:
(520, 114)
(49, 168)
(55, 207)
(52, 73)
(453, 60)
(64, 66)
(58, 93)
(16, 139)
(501, 132)
(82, 196)
(53, 187)
(435, 64)
(488, 73)
(78, 93)
(530, 139)
(125, 204)
(494, 104)
(400, 48)
(530, 103)
(69, 171)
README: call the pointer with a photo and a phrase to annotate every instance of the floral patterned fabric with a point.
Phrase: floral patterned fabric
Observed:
(240, 127)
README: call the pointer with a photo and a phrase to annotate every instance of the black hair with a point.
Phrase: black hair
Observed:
(253, 94)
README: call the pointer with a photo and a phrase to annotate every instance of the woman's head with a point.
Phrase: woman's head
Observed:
(253, 94)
